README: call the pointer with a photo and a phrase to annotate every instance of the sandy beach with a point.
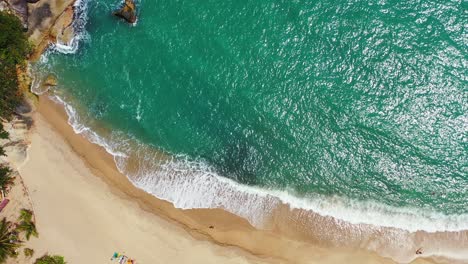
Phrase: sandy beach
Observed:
(86, 209)
(81, 217)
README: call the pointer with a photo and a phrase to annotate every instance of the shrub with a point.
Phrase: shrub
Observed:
(27, 224)
(5, 177)
(14, 48)
(8, 241)
(28, 252)
(46, 259)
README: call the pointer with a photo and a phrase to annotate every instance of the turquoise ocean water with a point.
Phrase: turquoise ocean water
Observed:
(364, 102)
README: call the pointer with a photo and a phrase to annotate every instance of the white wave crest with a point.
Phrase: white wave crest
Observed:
(80, 18)
(79, 128)
(192, 184)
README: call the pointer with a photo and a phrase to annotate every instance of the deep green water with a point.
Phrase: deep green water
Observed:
(361, 99)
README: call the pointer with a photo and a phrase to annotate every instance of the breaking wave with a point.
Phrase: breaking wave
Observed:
(192, 184)
(80, 8)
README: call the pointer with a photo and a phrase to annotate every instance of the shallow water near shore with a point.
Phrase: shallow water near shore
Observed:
(354, 111)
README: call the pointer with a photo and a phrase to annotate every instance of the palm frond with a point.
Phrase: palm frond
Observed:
(27, 224)
(9, 241)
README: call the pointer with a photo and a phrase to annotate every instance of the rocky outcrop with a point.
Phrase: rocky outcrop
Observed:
(44, 84)
(50, 21)
(50, 80)
(20, 7)
(46, 21)
(127, 11)
(4, 6)
(62, 31)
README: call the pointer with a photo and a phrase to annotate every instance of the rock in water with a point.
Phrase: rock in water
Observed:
(127, 11)
(50, 80)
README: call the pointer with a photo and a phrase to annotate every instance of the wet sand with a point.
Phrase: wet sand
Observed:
(75, 218)
(85, 207)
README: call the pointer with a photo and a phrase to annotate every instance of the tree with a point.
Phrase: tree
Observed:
(3, 133)
(8, 241)
(28, 252)
(5, 173)
(27, 224)
(46, 259)
(14, 48)
(5, 177)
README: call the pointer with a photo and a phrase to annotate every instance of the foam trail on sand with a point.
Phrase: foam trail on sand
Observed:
(193, 184)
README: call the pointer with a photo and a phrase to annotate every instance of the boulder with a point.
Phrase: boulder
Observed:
(127, 11)
(4, 7)
(50, 80)
(20, 7)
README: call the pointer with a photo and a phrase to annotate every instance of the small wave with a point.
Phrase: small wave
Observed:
(80, 128)
(80, 18)
(193, 184)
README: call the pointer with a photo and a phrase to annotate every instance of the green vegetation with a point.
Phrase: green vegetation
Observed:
(3, 133)
(27, 224)
(14, 48)
(5, 173)
(28, 252)
(9, 241)
(2, 152)
(50, 260)
(5, 177)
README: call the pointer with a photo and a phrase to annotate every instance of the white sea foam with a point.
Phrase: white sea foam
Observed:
(80, 128)
(80, 8)
(193, 184)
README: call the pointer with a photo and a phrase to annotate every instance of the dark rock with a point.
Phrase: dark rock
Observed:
(39, 14)
(20, 7)
(32, 1)
(50, 80)
(127, 11)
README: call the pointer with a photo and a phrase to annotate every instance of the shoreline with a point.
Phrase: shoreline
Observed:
(229, 229)
(286, 224)
(80, 217)
(280, 241)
